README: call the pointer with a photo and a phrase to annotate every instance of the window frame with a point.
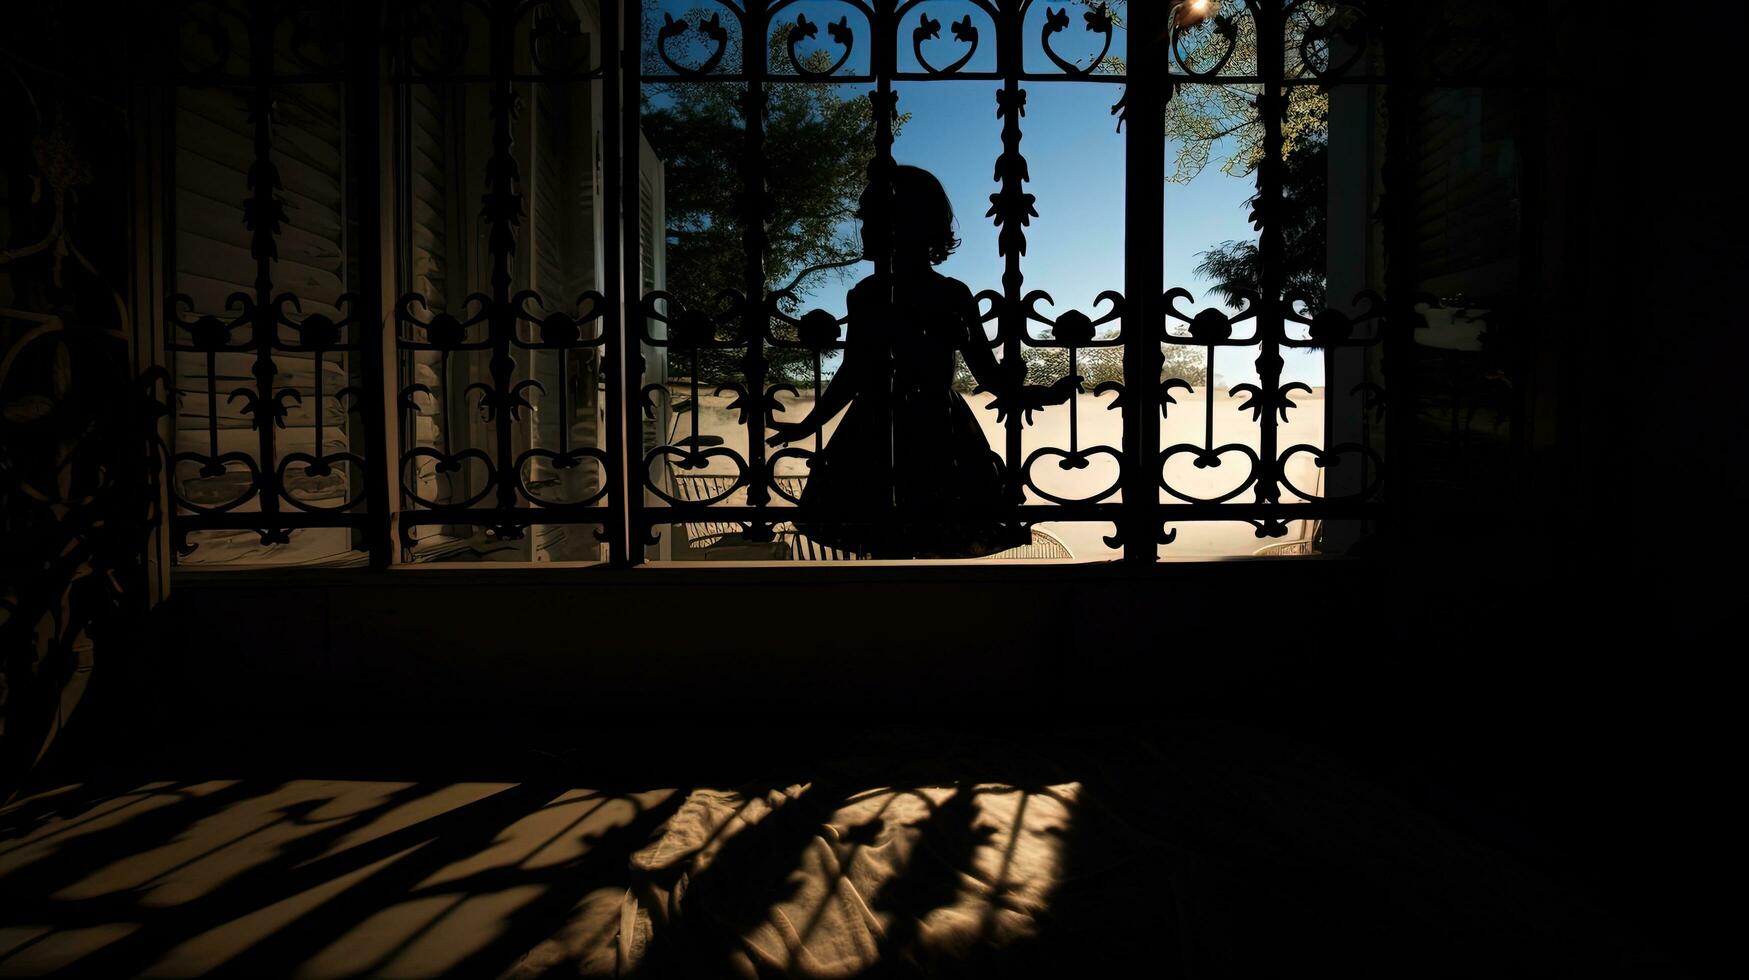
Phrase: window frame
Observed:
(629, 515)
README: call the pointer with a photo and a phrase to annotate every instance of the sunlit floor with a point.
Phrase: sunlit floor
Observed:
(1212, 851)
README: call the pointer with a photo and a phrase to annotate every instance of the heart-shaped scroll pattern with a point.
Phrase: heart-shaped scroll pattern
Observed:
(437, 38)
(806, 29)
(1207, 459)
(1098, 21)
(565, 35)
(694, 459)
(711, 28)
(775, 481)
(317, 468)
(207, 49)
(1191, 36)
(1074, 462)
(223, 469)
(566, 462)
(450, 466)
(928, 29)
(1331, 458)
(1344, 21)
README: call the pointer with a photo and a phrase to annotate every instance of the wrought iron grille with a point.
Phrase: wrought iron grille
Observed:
(1141, 501)
(386, 360)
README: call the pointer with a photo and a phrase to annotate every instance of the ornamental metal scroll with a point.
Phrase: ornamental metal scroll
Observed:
(819, 333)
(711, 28)
(263, 51)
(464, 377)
(453, 41)
(805, 29)
(1074, 331)
(928, 29)
(1098, 21)
(1204, 43)
(687, 333)
(270, 488)
(1331, 331)
(483, 460)
(1209, 328)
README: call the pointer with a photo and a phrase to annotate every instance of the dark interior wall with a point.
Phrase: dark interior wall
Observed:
(78, 503)
(1561, 679)
(857, 643)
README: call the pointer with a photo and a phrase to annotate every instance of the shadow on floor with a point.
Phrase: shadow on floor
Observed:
(1205, 850)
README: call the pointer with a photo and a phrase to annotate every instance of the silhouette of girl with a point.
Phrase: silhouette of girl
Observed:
(909, 448)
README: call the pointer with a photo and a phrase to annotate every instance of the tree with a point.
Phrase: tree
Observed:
(1210, 121)
(1097, 365)
(1235, 267)
(817, 147)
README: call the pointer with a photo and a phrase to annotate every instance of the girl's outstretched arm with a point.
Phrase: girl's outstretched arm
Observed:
(976, 349)
(840, 391)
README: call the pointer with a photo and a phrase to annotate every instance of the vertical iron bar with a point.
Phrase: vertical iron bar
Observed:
(1014, 206)
(318, 358)
(564, 360)
(877, 221)
(1272, 106)
(212, 404)
(624, 367)
(263, 215)
(1532, 111)
(1208, 405)
(755, 321)
(1145, 96)
(1074, 410)
(502, 210)
(151, 331)
(1401, 274)
(375, 341)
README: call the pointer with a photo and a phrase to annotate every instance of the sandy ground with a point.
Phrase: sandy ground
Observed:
(1098, 425)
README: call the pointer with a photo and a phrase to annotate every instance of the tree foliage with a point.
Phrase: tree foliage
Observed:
(1210, 122)
(1235, 267)
(1097, 365)
(1206, 122)
(818, 143)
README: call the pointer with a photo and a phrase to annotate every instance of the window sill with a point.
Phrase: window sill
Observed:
(723, 573)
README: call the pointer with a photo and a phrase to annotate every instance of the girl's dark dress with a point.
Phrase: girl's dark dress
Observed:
(945, 483)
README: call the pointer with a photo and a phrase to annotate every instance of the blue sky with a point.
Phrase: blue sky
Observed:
(1075, 158)
(1074, 248)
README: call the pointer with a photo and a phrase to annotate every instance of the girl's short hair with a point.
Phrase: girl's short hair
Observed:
(917, 192)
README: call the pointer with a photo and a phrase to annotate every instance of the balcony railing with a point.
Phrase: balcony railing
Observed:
(445, 319)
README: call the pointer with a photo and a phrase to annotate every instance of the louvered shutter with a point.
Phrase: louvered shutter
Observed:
(214, 149)
(653, 275)
(434, 254)
(563, 232)
(652, 266)
(1466, 198)
(1465, 250)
